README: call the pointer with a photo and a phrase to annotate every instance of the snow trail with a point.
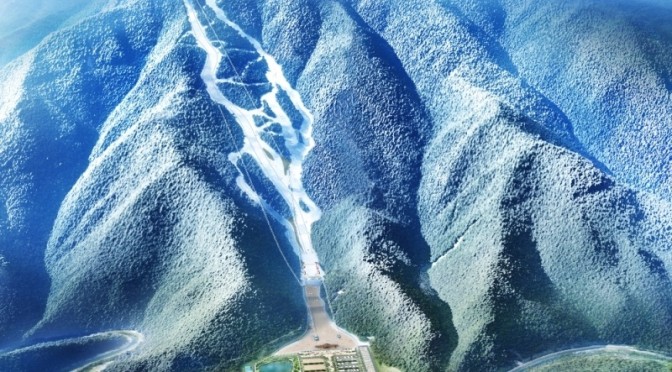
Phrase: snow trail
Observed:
(283, 169)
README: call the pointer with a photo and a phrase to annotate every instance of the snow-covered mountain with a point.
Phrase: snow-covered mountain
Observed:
(481, 181)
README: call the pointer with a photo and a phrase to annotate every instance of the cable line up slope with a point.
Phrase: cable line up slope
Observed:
(276, 129)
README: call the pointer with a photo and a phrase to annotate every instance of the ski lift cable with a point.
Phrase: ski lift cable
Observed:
(247, 173)
(249, 95)
(293, 201)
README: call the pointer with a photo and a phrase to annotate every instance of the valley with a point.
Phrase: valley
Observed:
(460, 185)
(278, 155)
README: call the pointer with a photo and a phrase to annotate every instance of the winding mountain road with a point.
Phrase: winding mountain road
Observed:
(592, 350)
(102, 361)
(94, 352)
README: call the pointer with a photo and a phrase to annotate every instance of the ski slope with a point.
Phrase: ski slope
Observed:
(283, 170)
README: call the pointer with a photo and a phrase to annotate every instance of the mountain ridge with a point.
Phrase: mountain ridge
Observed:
(466, 197)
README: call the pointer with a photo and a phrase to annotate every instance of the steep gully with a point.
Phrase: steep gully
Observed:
(284, 171)
(264, 144)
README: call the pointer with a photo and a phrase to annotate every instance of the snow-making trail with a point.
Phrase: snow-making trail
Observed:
(282, 168)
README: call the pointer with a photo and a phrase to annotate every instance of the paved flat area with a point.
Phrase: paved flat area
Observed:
(320, 325)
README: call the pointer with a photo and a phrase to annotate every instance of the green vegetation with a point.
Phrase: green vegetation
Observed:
(382, 367)
(296, 365)
(373, 282)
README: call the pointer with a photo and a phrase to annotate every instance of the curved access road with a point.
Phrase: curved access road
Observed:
(592, 350)
(101, 361)
(88, 353)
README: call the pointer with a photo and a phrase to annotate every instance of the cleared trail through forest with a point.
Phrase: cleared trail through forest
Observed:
(275, 123)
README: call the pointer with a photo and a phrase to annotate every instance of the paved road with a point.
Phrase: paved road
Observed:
(102, 361)
(320, 325)
(88, 358)
(597, 349)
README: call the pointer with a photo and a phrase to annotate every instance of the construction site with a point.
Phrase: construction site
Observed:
(324, 348)
(336, 360)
